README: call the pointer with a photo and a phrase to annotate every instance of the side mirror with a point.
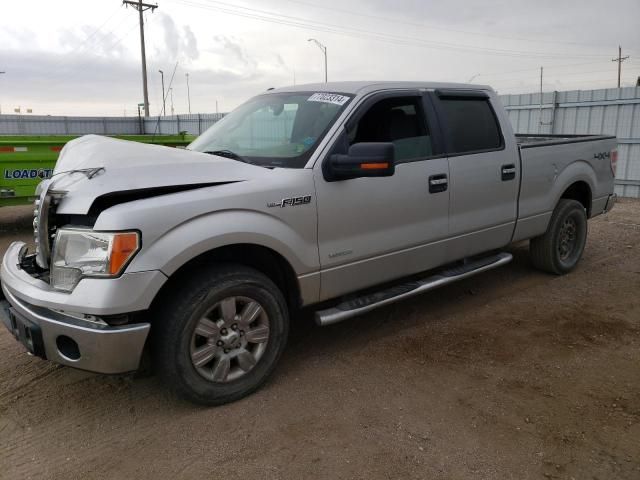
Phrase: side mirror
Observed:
(367, 159)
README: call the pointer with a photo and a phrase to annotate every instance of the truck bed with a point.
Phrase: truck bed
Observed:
(550, 165)
(533, 140)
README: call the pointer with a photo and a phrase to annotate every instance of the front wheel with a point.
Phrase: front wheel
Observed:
(560, 248)
(219, 336)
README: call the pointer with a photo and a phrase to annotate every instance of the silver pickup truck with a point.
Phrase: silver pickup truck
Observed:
(340, 197)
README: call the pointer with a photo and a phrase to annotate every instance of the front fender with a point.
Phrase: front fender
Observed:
(230, 227)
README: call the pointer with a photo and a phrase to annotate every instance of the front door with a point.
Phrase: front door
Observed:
(372, 230)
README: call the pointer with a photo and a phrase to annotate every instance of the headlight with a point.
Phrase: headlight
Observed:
(79, 253)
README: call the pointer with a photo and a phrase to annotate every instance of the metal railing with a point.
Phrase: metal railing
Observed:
(193, 124)
(612, 111)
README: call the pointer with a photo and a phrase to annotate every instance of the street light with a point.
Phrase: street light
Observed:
(188, 93)
(324, 51)
(164, 105)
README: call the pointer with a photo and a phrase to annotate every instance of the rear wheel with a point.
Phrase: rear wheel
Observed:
(560, 248)
(220, 335)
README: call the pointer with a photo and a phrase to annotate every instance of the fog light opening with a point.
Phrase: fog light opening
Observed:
(68, 347)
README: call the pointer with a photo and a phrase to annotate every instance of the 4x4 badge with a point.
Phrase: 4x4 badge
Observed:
(291, 201)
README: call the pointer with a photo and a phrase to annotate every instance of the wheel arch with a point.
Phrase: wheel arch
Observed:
(576, 182)
(263, 259)
(581, 192)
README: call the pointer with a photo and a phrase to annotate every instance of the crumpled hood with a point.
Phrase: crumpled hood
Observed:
(130, 166)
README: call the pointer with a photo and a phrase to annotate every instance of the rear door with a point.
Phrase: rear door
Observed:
(371, 230)
(484, 173)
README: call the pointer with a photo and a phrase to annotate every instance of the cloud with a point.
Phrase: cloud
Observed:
(231, 46)
(177, 44)
(68, 84)
(12, 37)
(50, 62)
(280, 61)
(190, 44)
(171, 35)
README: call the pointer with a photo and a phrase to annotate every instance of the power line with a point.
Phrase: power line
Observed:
(434, 27)
(164, 99)
(62, 74)
(389, 35)
(95, 32)
(552, 66)
(289, 20)
(84, 43)
(553, 85)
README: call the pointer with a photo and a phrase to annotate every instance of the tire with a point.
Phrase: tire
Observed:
(198, 335)
(560, 248)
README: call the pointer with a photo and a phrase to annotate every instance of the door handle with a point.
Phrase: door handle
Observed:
(508, 172)
(438, 183)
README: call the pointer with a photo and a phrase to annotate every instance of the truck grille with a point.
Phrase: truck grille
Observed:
(42, 230)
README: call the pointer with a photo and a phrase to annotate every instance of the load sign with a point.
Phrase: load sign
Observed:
(31, 173)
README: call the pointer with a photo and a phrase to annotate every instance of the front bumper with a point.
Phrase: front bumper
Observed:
(70, 341)
(50, 323)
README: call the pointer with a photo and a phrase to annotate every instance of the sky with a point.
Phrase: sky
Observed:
(82, 57)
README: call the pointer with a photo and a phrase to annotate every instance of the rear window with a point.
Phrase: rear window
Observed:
(472, 125)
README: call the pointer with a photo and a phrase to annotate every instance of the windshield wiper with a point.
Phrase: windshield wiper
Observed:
(229, 154)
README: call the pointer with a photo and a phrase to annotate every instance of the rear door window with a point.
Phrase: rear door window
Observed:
(471, 125)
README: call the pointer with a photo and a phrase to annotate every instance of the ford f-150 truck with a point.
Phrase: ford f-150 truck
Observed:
(339, 197)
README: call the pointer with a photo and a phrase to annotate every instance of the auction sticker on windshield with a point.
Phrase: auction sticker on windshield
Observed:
(328, 98)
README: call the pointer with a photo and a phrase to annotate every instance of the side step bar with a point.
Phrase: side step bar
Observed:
(366, 303)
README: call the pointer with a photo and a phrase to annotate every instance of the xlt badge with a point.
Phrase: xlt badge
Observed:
(291, 201)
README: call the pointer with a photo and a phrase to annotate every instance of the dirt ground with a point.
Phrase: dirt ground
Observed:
(513, 374)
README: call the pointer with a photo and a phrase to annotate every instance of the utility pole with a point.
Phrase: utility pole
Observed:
(142, 7)
(164, 102)
(188, 93)
(620, 59)
(324, 51)
(171, 94)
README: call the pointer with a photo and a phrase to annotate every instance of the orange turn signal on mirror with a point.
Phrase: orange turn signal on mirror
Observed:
(123, 247)
(374, 166)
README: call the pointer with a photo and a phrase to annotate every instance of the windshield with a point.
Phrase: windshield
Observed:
(274, 130)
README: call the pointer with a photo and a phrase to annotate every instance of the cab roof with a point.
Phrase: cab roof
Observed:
(362, 87)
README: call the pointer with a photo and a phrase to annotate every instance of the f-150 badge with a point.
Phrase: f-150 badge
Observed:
(291, 202)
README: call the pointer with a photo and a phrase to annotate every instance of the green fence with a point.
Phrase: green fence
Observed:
(25, 160)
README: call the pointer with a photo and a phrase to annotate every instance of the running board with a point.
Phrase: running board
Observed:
(371, 301)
